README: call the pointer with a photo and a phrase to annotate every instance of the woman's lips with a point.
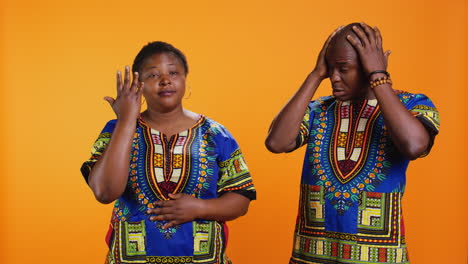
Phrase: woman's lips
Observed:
(166, 93)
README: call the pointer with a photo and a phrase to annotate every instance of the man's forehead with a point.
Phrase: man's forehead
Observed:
(341, 49)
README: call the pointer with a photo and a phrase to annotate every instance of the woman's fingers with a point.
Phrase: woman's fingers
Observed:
(110, 100)
(126, 85)
(134, 87)
(130, 83)
(119, 82)
(163, 217)
(170, 224)
(161, 210)
(140, 89)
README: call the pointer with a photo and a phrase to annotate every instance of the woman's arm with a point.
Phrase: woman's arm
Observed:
(285, 127)
(407, 133)
(109, 175)
(183, 208)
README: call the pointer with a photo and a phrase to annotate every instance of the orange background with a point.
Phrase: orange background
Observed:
(58, 59)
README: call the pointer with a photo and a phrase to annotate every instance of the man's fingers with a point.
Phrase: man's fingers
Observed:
(378, 38)
(354, 42)
(369, 32)
(331, 36)
(387, 53)
(362, 36)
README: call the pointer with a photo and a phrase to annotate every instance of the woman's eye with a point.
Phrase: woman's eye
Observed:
(153, 75)
(173, 73)
(343, 69)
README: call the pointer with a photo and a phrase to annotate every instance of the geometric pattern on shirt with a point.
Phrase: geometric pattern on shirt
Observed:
(351, 137)
(379, 237)
(129, 243)
(168, 161)
(380, 219)
(169, 259)
(141, 194)
(429, 113)
(208, 246)
(311, 250)
(234, 174)
(371, 170)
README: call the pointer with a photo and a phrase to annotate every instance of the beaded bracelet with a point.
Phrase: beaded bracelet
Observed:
(380, 81)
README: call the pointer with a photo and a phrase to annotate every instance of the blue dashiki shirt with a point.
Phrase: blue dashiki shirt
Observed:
(352, 183)
(203, 161)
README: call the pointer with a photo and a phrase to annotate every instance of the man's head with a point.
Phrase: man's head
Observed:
(344, 67)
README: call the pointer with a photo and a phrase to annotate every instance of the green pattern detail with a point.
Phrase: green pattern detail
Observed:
(135, 236)
(202, 233)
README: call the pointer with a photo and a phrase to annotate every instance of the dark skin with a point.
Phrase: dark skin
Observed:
(161, 81)
(347, 61)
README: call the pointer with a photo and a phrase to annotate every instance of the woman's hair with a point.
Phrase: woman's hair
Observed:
(157, 47)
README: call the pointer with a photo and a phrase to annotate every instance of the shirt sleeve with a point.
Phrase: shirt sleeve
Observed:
(304, 129)
(425, 111)
(98, 148)
(234, 175)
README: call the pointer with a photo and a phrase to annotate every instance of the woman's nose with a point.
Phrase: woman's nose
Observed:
(165, 80)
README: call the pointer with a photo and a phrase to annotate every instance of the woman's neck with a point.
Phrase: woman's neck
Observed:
(162, 118)
(172, 122)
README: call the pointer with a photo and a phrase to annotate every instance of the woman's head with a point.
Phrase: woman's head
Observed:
(158, 47)
(344, 67)
(163, 70)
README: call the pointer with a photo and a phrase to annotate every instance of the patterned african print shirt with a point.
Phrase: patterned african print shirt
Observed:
(352, 182)
(203, 161)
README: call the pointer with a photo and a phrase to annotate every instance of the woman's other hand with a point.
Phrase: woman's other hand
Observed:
(184, 208)
(127, 105)
(368, 44)
(180, 209)
(321, 65)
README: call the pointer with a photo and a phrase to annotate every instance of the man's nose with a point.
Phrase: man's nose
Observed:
(335, 76)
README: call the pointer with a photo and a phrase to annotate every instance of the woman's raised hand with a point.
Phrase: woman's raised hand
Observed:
(369, 47)
(127, 105)
(321, 65)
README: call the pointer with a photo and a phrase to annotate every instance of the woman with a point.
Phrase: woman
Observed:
(176, 176)
(359, 143)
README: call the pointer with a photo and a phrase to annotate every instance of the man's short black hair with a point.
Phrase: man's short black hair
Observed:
(157, 47)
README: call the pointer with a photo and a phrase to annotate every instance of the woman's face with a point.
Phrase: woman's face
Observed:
(345, 71)
(164, 81)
